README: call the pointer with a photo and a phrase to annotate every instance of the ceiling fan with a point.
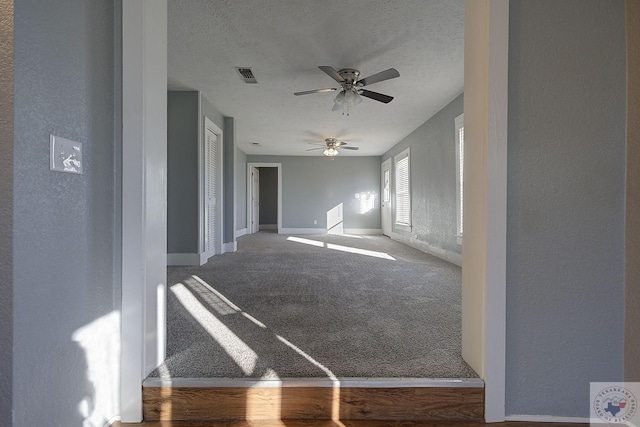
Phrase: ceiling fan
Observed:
(330, 147)
(351, 87)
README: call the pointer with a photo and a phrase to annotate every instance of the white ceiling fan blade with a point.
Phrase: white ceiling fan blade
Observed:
(332, 73)
(391, 73)
(307, 92)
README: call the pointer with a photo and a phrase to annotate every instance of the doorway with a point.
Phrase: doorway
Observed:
(268, 200)
(254, 173)
(136, 344)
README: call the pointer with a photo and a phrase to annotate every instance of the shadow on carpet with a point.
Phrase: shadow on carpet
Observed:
(315, 306)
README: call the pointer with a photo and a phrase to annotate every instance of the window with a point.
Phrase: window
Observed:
(459, 122)
(403, 195)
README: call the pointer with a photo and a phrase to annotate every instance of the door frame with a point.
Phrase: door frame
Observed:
(202, 208)
(491, 346)
(250, 166)
(255, 194)
(383, 166)
(484, 283)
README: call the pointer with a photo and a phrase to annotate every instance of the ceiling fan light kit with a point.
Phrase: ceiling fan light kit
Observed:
(350, 95)
(330, 152)
(346, 99)
(351, 87)
(330, 147)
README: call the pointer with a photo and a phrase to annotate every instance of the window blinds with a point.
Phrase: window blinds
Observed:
(403, 198)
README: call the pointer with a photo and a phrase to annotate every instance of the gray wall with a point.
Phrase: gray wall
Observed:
(268, 195)
(565, 203)
(207, 109)
(632, 244)
(185, 128)
(433, 178)
(229, 179)
(182, 171)
(64, 225)
(241, 189)
(311, 186)
(6, 210)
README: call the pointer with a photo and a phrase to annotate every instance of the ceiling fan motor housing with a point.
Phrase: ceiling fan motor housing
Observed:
(349, 74)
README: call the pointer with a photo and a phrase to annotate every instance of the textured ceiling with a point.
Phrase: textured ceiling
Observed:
(284, 42)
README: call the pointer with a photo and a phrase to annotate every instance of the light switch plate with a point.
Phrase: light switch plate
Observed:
(66, 155)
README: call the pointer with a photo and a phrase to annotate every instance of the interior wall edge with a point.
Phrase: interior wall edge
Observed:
(6, 210)
(632, 222)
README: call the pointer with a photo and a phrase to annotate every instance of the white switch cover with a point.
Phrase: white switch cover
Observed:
(66, 155)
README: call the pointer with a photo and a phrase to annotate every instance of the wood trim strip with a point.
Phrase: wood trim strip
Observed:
(291, 403)
(345, 382)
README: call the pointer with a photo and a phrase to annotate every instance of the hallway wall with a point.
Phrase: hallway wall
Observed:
(6, 210)
(433, 184)
(632, 233)
(314, 185)
(565, 203)
(185, 133)
(66, 332)
(240, 183)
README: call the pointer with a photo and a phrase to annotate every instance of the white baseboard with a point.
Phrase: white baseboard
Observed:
(452, 257)
(241, 232)
(268, 226)
(363, 231)
(303, 231)
(186, 259)
(229, 247)
(369, 231)
(312, 382)
(547, 419)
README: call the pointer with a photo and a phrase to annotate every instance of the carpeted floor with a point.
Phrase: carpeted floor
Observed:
(315, 306)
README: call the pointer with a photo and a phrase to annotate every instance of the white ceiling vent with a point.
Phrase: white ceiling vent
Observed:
(247, 75)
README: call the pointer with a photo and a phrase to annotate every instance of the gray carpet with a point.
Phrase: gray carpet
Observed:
(308, 306)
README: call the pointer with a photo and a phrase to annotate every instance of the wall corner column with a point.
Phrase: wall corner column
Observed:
(144, 197)
(484, 240)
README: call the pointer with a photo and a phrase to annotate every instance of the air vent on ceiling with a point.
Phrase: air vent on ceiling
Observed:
(247, 75)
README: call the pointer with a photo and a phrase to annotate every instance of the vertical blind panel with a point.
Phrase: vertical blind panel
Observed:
(403, 201)
(461, 168)
(211, 158)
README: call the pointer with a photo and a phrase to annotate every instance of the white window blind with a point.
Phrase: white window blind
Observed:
(403, 196)
(459, 126)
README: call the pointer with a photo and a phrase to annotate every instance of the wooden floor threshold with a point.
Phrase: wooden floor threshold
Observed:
(346, 423)
(308, 399)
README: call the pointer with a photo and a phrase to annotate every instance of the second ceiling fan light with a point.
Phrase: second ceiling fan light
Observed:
(330, 152)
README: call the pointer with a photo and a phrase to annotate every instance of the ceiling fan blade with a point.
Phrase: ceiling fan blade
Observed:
(391, 73)
(307, 92)
(349, 148)
(319, 148)
(375, 95)
(332, 73)
(317, 143)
